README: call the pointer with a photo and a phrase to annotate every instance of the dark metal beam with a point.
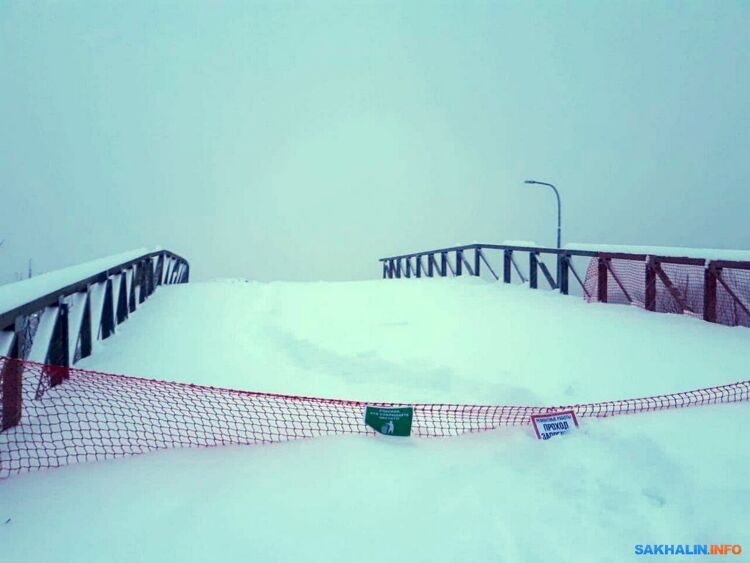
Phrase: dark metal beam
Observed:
(710, 276)
(107, 322)
(507, 263)
(11, 379)
(122, 299)
(547, 274)
(601, 279)
(160, 270)
(7, 318)
(131, 290)
(482, 256)
(533, 259)
(564, 269)
(58, 354)
(84, 331)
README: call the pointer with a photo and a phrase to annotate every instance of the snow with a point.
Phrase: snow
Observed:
(419, 340)
(707, 253)
(668, 477)
(677, 477)
(523, 243)
(15, 294)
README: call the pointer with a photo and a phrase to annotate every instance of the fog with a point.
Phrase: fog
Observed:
(303, 141)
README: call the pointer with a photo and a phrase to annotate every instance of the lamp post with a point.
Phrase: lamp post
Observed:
(557, 195)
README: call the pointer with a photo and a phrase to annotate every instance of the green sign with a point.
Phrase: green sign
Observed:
(390, 421)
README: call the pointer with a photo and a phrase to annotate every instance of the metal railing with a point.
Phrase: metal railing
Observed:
(714, 287)
(438, 262)
(59, 327)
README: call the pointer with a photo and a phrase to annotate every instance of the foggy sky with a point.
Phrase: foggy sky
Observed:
(303, 141)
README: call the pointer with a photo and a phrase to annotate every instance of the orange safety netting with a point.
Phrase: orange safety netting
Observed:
(95, 416)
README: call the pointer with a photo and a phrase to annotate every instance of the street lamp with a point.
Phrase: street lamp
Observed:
(557, 195)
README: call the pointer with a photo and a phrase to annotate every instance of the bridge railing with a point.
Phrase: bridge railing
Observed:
(716, 290)
(57, 325)
(473, 259)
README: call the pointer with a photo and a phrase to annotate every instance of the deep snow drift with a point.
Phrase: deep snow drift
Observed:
(668, 477)
(498, 496)
(430, 340)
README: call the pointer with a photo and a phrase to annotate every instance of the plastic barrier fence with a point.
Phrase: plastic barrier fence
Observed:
(72, 415)
(718, 291)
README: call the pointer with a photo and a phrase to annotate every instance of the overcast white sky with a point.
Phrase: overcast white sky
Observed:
(294, 140)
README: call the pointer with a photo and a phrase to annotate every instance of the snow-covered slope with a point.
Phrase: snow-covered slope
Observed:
(668, 477)
(439, 340)
(671, 477)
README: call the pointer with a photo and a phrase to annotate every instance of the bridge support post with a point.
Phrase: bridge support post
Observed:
(84, 333)
(168, 265)
(601, 279)
(141, 279)
(12, 385)
(477, 254)
(150, 278)
(443, 264)
(430, 265)
(507, 263)
(710, 277)
(459, 262)
(160, 269)
(650, 296)
(563, 268)
(533, 259)
(108, 314)
(58, 357)
(131, 289)
(150, 281)
(122, 299)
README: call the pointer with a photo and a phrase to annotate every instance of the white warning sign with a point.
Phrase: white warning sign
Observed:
(553, 424)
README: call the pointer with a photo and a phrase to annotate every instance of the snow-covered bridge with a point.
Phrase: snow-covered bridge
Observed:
(479, 497)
